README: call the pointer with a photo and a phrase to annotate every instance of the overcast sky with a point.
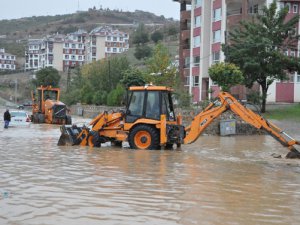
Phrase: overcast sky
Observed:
(12, 9)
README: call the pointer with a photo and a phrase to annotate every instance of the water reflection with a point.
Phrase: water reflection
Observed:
(216, 180)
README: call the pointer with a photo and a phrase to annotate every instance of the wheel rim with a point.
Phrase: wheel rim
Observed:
(142, 139)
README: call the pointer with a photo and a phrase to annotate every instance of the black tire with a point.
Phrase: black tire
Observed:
(41, 118)
(169, 147)
(144, 137)
(35, 118)
(68, 120)
(117, 143)
(96, 139)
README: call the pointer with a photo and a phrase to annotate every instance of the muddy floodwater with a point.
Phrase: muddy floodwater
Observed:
(216, 180)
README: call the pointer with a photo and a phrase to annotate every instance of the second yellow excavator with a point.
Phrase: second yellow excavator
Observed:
(149, 122)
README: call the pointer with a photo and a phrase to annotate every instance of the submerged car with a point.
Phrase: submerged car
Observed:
(19, 118)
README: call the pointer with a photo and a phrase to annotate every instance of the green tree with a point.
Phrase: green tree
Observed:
(100, 78)
(157, 36)
(258, 47)
(142, 51)
(116, 96)
(172, 30)
(140, 36)
(159, 67)
(226, 75)
(133, 77)
(47, 76)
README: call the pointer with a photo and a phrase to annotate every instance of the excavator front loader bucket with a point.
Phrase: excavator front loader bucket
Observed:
(70, 135)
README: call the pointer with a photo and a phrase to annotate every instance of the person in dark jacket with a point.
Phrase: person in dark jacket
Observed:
(6, 118)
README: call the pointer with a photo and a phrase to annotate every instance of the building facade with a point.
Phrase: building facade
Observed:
(7, 60)
(63, 52)
(105, 42)
(203, 28)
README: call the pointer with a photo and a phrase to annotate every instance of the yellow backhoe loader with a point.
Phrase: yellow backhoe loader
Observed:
(47, 108)
(149, 122)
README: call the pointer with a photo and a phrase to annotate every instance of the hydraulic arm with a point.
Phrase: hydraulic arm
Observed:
(228, 102)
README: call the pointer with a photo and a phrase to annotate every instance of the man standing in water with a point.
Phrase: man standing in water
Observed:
(6, 118)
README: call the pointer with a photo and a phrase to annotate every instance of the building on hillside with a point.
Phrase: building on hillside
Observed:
(7, 60)
(105, 42)
(203, 28)
(74, 49)
(33, 54)
(63, 52)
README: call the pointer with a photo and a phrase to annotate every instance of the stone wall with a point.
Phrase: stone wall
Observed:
(91, 111)
(242, 128)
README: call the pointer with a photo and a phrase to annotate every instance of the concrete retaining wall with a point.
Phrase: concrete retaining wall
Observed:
(242, 128)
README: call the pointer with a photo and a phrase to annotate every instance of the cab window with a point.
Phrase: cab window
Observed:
(167, 107)
(136, 103)
(152, 106)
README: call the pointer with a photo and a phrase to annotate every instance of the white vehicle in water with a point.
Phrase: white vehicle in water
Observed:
(19, 118)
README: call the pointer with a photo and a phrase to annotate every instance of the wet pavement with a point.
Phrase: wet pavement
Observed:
(216, 180)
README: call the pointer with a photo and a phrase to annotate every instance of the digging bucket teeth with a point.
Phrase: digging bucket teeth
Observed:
(69, 135)
(293, 154)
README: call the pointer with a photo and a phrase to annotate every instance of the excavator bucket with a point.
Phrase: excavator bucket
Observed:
(70, 135)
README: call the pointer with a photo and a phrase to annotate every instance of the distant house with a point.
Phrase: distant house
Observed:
(7, 60)
(63, 52)
(104, 42)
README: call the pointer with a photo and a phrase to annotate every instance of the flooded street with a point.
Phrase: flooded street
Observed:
(216, 180)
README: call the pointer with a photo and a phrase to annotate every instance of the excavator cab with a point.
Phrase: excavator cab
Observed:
(149, 104)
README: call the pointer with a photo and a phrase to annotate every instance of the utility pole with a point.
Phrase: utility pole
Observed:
(16, 90)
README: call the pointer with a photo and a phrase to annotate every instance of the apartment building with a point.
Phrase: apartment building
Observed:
(63, 52)
(203, 25)
(105, 42)
(7, 61)
(74, 49)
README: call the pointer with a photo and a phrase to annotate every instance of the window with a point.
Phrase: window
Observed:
(217, 36)
(187, 80)
(298, 78)
(108, 38)
(73, 46)
(288, 5)
(196, 81)
(121, 38)
(80, 46)
(196, 60)
(255, 8)
(293, 54)
(136, 102)
(217, 14)
(114, 49)
(197, 41)
(66, 56)
(108, 49)
(295, 8)
(281, 5)
(197, 21)
(286, 52)
(152, 111)
(115, 39)
(216, 57)
(67, 45)
(187, 62)
(198, 3)
(80, 57)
